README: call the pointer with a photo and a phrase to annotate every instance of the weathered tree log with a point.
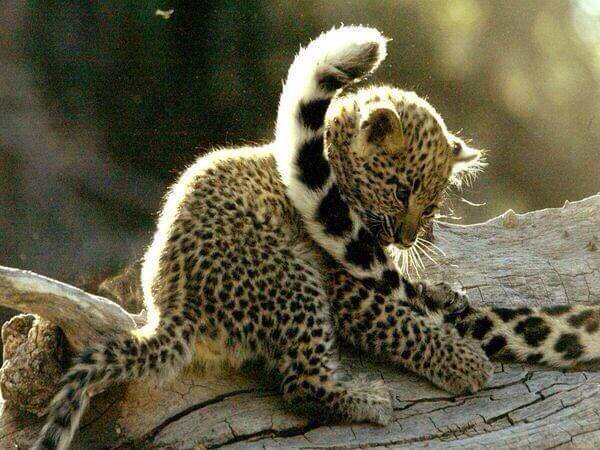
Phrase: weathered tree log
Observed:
(540, 258)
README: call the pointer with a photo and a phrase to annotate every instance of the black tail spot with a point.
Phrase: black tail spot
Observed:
(578, 319)
(568, 344)
(495, 344)
(332, 82)
(481, 327)
(314, 169)
(508, 314)
(534, 330)
(360, 253)
(534, 358)
(334, 213)
(312, 113)
(592, 326)
(556, 310)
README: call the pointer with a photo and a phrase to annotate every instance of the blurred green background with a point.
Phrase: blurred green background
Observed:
(103, 103)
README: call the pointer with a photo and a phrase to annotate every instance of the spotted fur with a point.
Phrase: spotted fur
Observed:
(277, 251)
(558, 336)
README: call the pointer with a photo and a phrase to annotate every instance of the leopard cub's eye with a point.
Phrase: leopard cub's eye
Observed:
(429, 211)
(402, 193)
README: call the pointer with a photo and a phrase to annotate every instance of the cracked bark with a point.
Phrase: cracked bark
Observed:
(539, 258)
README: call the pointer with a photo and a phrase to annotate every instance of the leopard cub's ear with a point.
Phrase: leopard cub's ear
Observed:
(382, 127)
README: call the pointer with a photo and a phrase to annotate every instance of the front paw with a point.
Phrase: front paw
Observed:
(442, 296)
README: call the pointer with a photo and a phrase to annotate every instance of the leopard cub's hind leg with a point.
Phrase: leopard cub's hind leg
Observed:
(311, 382)
(307, 357)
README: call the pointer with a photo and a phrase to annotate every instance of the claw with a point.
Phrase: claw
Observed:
(443, 296)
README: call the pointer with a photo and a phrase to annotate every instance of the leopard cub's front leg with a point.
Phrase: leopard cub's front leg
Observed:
(395, 329)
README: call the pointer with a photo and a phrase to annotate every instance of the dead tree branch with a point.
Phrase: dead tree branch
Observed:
(541, 258)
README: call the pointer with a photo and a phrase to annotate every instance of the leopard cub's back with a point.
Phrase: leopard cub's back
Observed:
(232, 186)
(230, 205)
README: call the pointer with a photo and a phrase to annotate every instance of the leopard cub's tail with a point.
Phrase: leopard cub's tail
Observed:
(329, 63)
(559, 336)
(117, 360)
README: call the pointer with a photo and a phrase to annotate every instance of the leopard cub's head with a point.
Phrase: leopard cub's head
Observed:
(394, 158)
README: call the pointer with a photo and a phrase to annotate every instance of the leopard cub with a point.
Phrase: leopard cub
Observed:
(275, 252)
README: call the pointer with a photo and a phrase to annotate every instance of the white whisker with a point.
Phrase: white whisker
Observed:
(405, 263)
(424, 251)
(462, 199)
(408, 263)
(418, 255)
(412, 259)
(432, 245)
(427, 246)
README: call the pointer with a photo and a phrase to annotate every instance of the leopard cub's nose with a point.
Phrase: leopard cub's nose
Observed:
(403, 239)
(407, 242)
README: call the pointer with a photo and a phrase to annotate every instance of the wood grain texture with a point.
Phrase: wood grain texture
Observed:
(541, 258)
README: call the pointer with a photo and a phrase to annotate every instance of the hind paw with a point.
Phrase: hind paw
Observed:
(366, 402)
